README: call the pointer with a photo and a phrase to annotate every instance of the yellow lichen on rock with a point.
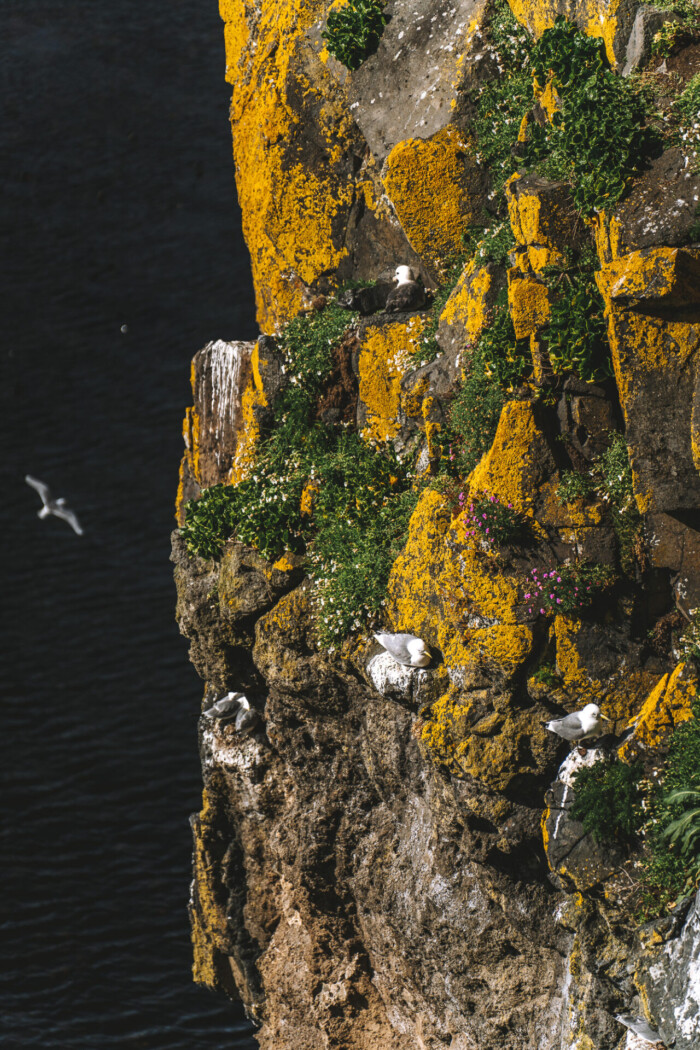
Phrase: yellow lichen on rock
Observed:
(385, 355)
(468, 305)
(436, 190)
(528, 301)
(518, 461)
(669, 703)
(279, 191)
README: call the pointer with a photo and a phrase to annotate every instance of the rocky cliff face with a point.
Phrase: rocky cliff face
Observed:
(389, 858)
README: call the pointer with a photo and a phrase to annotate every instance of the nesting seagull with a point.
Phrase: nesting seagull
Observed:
(406, 649)
(238, 705)
(639, 1026)
(579, 725)
(409, 293)
(57, 507)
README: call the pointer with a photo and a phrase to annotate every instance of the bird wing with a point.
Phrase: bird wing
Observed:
(40, 487)
(69, 516)
(228, 705)
(570, 727)
(396, 645)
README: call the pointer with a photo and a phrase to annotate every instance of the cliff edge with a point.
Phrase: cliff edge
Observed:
(507, 465)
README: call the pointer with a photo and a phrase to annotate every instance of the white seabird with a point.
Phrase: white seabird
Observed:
(57, 507)
(227, 706)
(409, 293)
(639, 1026)
(406, 649)
(579, 725)
(235, 705)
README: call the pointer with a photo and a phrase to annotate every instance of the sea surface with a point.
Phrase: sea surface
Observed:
(117, 207)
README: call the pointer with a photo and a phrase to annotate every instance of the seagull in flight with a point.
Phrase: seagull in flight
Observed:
(57, 507)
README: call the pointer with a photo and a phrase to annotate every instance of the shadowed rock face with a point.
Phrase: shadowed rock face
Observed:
(388, 860)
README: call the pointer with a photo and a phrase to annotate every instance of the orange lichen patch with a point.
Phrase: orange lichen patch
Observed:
(607, 233)
(385, 355)
(669, 703)
(413, 601)
(528, 300)
(504, 647)
(308, 498)
(467, 305)
(649, 351)
(669, 276)
(549, 99)
(436, 190)
(518, 461)
(279, 193)
(581, 514)
(486, 744)
(285, 564)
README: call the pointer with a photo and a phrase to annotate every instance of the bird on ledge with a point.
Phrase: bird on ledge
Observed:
(406, 649)
(409, 293)
(579, 725)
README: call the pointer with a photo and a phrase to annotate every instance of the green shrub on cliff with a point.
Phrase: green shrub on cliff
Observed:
(576, 333)
(608, 800)
(354, 30)
(668, 868)
(599, 138)
(315, 488)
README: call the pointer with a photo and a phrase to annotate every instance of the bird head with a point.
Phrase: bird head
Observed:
(403, 275)
(420, 653)
(591, 711)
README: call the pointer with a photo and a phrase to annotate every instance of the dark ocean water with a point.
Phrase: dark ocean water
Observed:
(117, 207)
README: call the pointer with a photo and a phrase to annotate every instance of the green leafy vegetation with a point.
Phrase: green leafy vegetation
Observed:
(686, 110)
(669, 867)
(598, 140)
(547, 674)
(493, 243)
(576, 334)
(674, 34)
(353, 523)
(574, 486)
(473, 417)
(683, 833)
(610, 478)
(354, 30)
(608, 800)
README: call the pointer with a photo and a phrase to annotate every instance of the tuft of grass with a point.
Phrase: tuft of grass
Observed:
(493, 523)
(608, 801)
(353, 31)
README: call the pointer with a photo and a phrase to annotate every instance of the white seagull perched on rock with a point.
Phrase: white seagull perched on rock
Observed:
(639, 1026)
(579, 725)
(57, 507)
(409, 293)
(406, 649)
(238, 705)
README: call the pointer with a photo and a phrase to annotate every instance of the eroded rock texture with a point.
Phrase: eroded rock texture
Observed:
(388, 860)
